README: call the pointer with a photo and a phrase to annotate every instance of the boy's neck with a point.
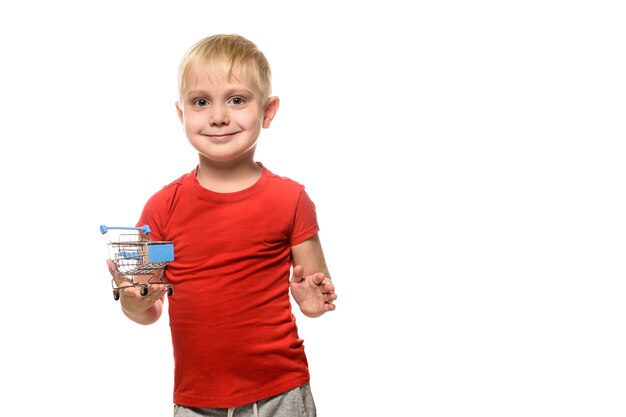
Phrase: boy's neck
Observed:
(227, 179)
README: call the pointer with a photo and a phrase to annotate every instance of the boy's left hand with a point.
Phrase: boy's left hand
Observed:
(314, 294)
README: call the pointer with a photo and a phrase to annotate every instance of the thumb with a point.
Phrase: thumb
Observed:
(298, 274)
(115, 273)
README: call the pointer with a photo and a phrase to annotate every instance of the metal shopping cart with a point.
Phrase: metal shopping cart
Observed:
(140, 261)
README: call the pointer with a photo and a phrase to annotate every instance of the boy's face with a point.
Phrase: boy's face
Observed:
(223, 118)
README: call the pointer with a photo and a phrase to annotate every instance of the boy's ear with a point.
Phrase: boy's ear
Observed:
(271, 107)
(179, 111)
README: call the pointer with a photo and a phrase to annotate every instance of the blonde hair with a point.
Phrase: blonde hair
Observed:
(228, 53)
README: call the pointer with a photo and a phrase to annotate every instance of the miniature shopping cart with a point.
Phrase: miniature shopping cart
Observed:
(139, 260)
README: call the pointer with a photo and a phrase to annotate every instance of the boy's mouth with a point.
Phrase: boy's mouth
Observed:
(221, 136)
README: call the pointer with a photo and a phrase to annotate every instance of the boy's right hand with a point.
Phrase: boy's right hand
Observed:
(143, 309)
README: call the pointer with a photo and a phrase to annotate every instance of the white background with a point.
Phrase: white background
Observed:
(468, 164)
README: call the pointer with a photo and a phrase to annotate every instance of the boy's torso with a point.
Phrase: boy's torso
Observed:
(235, 339)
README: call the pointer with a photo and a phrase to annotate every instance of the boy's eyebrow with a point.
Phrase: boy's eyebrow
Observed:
(228, 92)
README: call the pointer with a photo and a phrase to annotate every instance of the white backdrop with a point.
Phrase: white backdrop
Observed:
(466, 159)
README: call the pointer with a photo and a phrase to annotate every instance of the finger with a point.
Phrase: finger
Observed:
(112, 267)
(298, 274)
(120, 279)
(133, 291)
(318, 278)
(155, 292)
(329, 298)
(327, 285)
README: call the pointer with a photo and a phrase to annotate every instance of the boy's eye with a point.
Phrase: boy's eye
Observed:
(201, 102)
(237, 101)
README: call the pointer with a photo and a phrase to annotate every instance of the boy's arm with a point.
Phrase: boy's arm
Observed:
(311, 286)
(142, 309)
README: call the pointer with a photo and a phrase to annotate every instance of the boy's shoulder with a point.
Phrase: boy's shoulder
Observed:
(174, 185)
(179, 181)
(282, 180)
(168, 191)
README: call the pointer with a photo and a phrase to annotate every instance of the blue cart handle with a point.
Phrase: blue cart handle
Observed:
(145, 229)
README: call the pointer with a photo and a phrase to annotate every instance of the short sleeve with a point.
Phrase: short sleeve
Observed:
(147, 218)
(156, 210)
(305, 220)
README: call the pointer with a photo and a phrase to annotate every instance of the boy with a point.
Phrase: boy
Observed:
(237, 229)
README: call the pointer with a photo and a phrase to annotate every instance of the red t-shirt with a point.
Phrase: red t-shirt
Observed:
(234, 337)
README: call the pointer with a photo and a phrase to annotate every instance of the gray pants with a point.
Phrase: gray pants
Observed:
(297, 402)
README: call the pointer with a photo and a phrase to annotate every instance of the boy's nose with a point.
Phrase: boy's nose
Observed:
(218, 116)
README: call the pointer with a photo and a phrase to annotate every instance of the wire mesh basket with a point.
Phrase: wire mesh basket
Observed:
(139, 261)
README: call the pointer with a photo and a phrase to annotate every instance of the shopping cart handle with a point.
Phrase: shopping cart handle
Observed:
(145, 229)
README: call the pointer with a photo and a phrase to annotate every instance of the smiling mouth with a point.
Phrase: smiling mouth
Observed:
(221, 136)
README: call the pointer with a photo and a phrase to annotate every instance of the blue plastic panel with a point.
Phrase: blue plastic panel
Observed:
(160, 252)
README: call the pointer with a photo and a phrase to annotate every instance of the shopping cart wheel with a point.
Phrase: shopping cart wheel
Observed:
(170, 290)
(116, 294)
(143, 290)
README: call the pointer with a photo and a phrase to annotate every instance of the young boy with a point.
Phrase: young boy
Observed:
(237, 230)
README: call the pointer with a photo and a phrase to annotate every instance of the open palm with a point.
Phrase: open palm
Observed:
(313, 293)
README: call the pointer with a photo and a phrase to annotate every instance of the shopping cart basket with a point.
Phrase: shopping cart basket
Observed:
(139, 260)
